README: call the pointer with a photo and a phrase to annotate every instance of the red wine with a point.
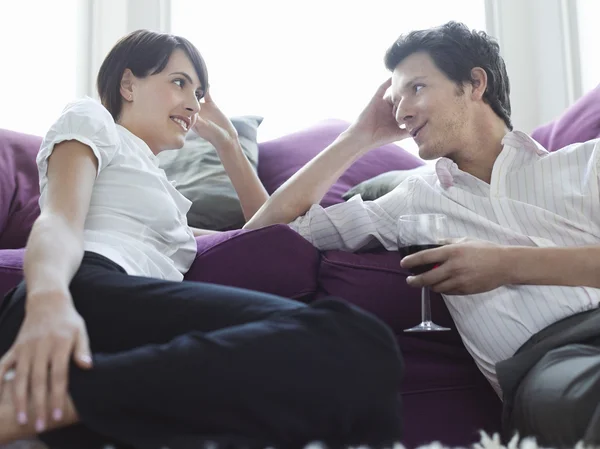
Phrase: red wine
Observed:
(412, 249)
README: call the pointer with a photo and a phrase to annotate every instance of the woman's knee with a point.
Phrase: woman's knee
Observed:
(368, 345)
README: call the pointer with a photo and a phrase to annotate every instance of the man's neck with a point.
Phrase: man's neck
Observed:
(478, 157)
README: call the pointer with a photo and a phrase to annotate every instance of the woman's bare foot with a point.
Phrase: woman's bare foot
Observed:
(11, 430)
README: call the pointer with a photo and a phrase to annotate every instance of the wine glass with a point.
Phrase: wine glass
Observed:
(417, 233)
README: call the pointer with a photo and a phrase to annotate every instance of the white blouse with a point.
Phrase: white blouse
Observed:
(136, 217)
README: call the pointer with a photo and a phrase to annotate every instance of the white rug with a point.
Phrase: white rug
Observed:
(486, 442)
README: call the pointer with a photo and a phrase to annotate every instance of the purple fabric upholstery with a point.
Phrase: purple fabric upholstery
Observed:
(579, 123)
(19, 187)
(445, 396)
(454, 416)
(273, 259)
(438, 367)
(376, 282)
(441, 379)
(279, 159)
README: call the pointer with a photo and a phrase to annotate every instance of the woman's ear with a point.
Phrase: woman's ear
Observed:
(478, 83)
(126, 86)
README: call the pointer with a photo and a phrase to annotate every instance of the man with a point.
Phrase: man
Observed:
(527, 278)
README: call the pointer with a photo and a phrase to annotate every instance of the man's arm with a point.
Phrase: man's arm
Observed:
(475, 266)
(573, 266)
(308, 186)
(374, 127)
(569, 266)
(355, 224)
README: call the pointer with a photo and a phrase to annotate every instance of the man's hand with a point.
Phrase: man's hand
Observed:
(213, 125)
(376, 124)
(464, 267)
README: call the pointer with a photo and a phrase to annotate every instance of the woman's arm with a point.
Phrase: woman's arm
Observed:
(55, 247)
(214, 126)
(245, 181)
(52, 331)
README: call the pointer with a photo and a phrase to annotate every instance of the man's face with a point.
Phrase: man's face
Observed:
(431, 106)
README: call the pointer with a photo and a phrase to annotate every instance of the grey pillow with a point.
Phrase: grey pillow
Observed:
(373, 188)
(200, 176)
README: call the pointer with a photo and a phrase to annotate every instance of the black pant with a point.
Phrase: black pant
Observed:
(181, 364)
(552, 385)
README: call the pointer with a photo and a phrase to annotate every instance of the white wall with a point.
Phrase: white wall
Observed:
(539, 44)
(112, 19)
(538, 40)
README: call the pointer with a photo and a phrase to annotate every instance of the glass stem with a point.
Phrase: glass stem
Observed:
(425, 305)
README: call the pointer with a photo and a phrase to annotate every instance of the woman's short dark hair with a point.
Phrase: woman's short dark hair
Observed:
(144, 53)
(456, 50)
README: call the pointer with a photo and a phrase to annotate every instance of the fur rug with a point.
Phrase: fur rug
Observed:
(486, 442)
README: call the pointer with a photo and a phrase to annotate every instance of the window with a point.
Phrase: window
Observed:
(40, 68)
(295, 63)
(588, 12)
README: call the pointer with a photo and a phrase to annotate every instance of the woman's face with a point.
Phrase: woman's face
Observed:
(161, 108)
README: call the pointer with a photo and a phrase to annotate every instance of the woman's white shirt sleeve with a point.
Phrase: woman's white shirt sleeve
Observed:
(88, 122)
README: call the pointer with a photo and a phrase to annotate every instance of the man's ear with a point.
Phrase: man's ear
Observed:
(126, 86)
(478, 83)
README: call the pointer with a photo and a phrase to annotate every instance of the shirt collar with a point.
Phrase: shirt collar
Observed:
(447, 170)
(520, 140)
(139, 143)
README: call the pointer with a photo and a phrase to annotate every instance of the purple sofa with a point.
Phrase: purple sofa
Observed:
(445, 396)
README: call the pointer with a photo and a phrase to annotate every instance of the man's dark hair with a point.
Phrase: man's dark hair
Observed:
(144, 53)
(456, 50)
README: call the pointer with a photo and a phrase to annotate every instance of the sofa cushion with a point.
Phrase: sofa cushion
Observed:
(375, 282)
(273, 260)
(454, 416)
(579, 123)
(19, 187)
(380, 185)
(279, 159)
(200, 176)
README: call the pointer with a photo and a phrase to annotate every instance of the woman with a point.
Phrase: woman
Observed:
(157, 361)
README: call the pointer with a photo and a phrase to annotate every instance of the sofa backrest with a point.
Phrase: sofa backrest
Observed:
(19, 187)
(278, 160)
(579, 123)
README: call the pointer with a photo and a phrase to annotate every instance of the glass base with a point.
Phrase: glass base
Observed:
(427, 326)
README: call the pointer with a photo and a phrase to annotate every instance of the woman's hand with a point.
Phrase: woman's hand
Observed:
(38, 361)
(214, 126)
(463, 268)
(376, 124)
